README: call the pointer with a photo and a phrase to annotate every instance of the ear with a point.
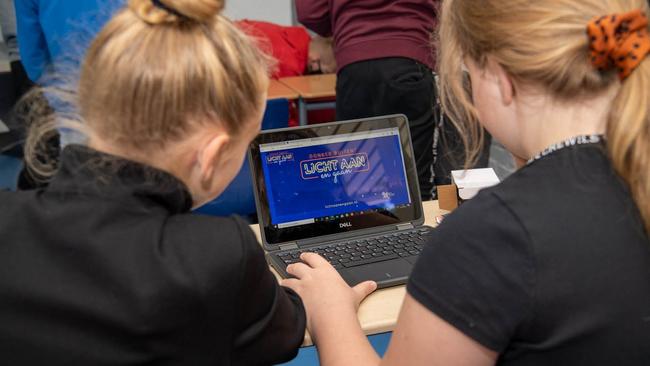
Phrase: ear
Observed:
(211, 156)
(505, 82)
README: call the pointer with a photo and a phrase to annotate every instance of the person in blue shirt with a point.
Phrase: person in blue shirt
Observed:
(53, 36)
(53, 31)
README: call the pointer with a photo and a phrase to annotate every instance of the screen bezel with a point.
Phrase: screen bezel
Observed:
(272, 237)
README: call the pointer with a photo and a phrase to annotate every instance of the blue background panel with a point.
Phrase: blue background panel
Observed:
(308, 356)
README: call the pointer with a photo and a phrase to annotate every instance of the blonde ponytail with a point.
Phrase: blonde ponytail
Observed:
(628, 136)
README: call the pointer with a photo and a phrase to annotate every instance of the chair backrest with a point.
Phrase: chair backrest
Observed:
(238, 198)
(9, 170)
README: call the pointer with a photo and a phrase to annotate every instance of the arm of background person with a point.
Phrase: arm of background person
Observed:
(31, 39)
(315, 15)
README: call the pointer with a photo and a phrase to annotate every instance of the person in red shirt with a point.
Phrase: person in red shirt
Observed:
(296, 52)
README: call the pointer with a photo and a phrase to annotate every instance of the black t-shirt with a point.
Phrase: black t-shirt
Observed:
(551, 267)
(107, 266)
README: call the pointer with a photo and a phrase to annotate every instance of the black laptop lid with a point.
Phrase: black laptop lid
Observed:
(331, 179)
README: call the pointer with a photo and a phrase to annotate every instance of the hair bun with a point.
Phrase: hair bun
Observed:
(175, 11)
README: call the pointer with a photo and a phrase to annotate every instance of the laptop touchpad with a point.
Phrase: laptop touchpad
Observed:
(391, 272)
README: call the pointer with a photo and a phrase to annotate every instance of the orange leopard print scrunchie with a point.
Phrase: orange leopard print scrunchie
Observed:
(619, 40)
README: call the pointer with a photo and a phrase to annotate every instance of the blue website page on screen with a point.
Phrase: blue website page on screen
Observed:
(335, 176)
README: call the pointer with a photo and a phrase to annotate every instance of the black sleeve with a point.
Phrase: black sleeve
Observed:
(270, 324)
(477, 272)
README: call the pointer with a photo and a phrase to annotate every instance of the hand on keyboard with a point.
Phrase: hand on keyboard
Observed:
(326, 296)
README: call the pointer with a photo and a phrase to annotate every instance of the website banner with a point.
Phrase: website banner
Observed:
(309, 181)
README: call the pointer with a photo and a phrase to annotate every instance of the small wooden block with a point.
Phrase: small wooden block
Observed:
(448, 197)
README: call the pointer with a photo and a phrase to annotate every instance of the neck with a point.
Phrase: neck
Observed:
(546, 121)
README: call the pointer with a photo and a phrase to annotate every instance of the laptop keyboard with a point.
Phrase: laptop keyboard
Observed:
(364, 251)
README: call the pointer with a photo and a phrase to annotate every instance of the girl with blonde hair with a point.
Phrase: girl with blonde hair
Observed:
(552, 266)
(107, 265)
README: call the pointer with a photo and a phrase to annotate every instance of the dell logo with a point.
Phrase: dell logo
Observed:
(345, 224)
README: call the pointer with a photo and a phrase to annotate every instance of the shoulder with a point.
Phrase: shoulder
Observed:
(26, 6)
(297, 33)
(205, 225)
(564, 172)
(477, 271)
(484, 234)
(211, 248)
(210, 233)
(480, 219)
(569, 191)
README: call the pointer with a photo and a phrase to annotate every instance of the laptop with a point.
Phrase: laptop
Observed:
(345, 190)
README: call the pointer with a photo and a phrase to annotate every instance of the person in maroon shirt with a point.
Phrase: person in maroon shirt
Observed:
(384, 64)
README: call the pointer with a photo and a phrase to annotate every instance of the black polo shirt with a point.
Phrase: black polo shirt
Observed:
(551, 267)
(107, 266)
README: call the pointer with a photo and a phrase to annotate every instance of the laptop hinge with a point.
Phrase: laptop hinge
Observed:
(289, 246)
(406, 226)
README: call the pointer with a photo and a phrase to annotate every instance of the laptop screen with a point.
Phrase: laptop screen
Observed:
(334, 178)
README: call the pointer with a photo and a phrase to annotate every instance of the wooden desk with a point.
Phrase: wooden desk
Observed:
(310, 89)
(378, 312)
(278, 90)
(312, 86)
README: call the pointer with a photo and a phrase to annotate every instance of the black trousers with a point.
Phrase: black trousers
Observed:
(389, 86)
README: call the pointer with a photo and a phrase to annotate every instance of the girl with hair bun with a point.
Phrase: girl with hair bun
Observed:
(552, 266)
(107, 265)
